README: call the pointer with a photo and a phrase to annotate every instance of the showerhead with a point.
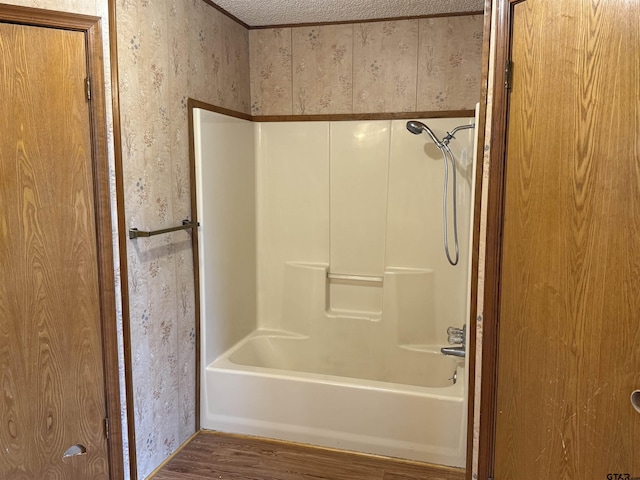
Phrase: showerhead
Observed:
(416, 127)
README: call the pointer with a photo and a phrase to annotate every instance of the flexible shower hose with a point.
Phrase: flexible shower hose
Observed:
(448, 154)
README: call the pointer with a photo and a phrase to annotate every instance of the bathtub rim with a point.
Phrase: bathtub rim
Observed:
(224, 364)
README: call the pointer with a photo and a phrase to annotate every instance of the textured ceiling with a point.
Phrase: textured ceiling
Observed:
(284, 12)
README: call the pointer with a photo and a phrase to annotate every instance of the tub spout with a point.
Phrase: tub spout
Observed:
(454, 351)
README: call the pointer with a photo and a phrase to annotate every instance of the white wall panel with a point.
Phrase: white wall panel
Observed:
(359, 175)
(293, 206)
(225, 171)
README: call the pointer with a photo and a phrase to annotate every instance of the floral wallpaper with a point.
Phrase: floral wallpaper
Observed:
(391, 66)
(95, 7)
(271, 69)
(385, 66)
(169, 50)
(449, 62)
(322, 69)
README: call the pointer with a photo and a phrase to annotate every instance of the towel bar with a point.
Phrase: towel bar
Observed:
(186, 225)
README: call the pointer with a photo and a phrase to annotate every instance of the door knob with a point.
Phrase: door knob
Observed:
(635, 400)
(75, 450)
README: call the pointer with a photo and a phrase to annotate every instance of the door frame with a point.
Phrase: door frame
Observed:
(90, 26)
(494, 231)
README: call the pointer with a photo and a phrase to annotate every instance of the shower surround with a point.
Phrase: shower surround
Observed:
(325, 291)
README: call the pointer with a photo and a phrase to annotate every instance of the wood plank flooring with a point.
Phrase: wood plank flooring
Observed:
(234, 457)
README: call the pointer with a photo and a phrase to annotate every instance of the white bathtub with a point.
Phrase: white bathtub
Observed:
(285, 386)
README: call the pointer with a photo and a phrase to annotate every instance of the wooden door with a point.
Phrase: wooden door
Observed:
(569, 342)
(52, 378)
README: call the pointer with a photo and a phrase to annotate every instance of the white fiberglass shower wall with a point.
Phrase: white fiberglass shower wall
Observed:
(329, 330)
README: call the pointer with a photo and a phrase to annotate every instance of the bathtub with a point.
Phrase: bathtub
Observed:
(408, 402)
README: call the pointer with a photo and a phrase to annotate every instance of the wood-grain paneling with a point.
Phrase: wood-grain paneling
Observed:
(570, 272)
(50, 347)
(213, 455)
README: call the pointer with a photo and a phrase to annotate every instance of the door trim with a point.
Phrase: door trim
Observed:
(90, 26)
(494, 230)
(475, 248)
(122, 238)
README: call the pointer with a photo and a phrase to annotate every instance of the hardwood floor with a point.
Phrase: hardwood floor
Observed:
(234, 457)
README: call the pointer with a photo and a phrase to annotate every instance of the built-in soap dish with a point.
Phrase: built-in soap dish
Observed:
(354, 296)
(347, 278)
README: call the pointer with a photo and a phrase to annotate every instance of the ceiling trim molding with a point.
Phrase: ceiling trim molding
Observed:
(337, 22)
(226, 13)
(369, 20)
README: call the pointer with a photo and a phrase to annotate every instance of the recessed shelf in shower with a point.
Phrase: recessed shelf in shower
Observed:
(355, 295)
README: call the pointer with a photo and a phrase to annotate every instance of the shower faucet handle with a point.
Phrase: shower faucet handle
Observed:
(457, 336)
